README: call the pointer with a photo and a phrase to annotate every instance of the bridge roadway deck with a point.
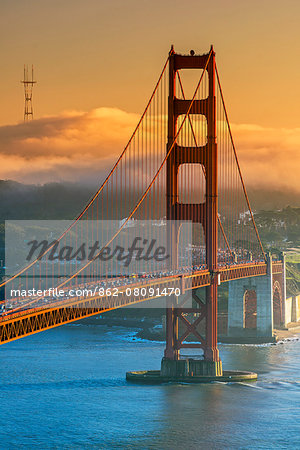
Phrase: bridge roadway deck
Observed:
(23, 323)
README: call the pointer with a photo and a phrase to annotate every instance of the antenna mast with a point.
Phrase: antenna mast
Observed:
(28, 84)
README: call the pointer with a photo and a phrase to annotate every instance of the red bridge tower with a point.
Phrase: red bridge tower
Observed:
(205, 213)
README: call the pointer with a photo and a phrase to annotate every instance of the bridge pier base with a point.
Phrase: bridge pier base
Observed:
(182, 373)
(250, 309)
(190, 367)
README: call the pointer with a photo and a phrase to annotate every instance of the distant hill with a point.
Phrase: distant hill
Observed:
(66, 200)
(262, 199)
(49, 201)
(280, 228)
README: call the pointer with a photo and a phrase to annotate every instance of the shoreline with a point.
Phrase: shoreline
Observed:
(291, 332)
(151, 329)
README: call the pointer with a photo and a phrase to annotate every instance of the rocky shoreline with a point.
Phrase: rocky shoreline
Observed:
(151, 329)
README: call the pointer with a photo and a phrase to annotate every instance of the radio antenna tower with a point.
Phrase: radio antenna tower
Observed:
(28, 84)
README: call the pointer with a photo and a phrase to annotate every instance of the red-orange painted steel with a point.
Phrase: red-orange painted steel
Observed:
(205, 213)
(211, 352)
(23, 323)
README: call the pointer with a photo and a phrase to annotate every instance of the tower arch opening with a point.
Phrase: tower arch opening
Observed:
(250, 309)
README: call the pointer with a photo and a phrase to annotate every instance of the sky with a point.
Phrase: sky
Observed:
(96, 62)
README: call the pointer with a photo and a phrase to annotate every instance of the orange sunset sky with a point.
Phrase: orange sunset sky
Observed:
(96, 62)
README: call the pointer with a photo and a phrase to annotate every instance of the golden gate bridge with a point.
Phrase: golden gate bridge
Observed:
(179, 170)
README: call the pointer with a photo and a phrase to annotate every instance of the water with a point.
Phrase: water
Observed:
(66, 388)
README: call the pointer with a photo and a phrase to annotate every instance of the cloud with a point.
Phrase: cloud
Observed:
(269, 157)
(75, 146)
(83, 146)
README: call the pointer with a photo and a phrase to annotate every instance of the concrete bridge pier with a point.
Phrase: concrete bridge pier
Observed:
(250, 308)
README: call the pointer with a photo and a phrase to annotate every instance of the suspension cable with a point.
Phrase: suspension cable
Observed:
(239, 169)
(203, 168)
(153, 180)
(101, 187)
